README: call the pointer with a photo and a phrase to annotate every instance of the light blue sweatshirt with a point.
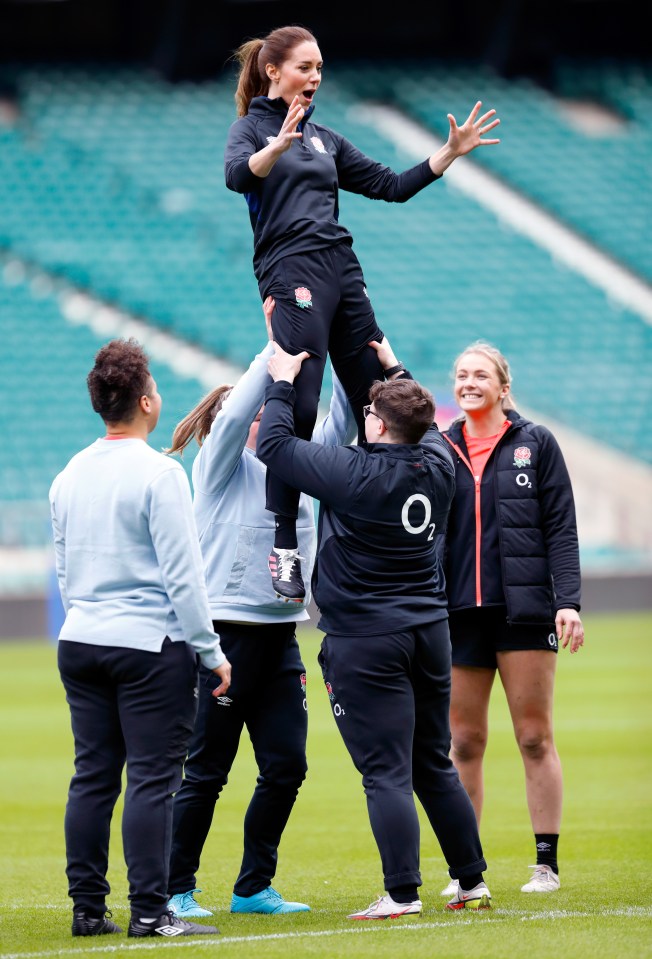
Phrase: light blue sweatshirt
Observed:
(236, 531)
(127, 553)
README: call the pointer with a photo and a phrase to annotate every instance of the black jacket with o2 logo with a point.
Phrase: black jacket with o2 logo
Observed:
(513, 539)
(382, 520)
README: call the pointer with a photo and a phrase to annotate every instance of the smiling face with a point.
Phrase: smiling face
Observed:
(298, 76)
(478, 387)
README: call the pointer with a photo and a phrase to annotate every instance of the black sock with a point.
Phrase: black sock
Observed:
(403, 894)
(285, 536)
(547, 849)
(470, 880)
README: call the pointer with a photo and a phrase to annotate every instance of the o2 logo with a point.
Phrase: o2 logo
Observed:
(522, 479)
(427, 513)
(552, 641)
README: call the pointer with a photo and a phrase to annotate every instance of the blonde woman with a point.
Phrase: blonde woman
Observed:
(513, 584)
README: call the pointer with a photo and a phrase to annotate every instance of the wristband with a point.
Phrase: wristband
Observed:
(393, 369)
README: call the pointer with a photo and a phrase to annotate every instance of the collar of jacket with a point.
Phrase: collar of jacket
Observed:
(454, 431)
(397, 449)
(263, 106)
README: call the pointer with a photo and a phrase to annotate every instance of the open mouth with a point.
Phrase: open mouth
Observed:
(309, 94)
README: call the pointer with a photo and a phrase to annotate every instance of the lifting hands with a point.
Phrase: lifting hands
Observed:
(281, 366)
(285, 366)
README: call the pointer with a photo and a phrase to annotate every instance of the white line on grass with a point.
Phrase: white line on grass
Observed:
(496, 916)
(230, 940)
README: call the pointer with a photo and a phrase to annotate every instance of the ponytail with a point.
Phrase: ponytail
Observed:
(250, 82)
(197, 424)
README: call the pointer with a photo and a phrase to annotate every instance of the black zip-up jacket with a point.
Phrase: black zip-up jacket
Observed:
(382, 521)
(295, 208)
(513, 539)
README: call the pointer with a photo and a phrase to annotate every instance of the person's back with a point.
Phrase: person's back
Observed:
(386, 656)
(102, 502)
(137, 619)
(381, 537)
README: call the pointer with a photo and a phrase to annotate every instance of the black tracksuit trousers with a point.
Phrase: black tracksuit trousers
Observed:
(126, 705)
(322, 306)
(268, 696)
(390, 697)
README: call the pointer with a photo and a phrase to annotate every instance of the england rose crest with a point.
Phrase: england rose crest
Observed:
(303, 297)
(522, 456)
(318, 145)
(329, 690)
(302, 680)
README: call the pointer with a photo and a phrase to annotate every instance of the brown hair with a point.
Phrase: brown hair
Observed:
(254, 55)
(502, 368)
(118, 379)
(406, 408)
(197, 424)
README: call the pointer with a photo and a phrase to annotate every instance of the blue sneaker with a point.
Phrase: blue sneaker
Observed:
(184, 904)
(268, 901)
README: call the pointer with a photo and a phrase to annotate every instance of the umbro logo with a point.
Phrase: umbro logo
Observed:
(170, 931)
(223, 700)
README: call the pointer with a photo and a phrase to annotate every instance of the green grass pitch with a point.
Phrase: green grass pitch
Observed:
(328, 858)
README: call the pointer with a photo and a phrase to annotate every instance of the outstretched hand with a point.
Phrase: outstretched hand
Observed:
(285, 366)
(461, 140)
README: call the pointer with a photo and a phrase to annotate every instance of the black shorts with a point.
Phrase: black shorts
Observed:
(478, 634)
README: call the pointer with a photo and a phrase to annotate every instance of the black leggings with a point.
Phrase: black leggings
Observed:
(322, 306)
(268, 697)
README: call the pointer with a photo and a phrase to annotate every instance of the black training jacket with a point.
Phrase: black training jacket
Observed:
(513, 540)
(295, 208)
(382, 520)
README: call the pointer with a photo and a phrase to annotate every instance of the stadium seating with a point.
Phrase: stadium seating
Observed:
(45, 416)
(598, 184)
(113, 181)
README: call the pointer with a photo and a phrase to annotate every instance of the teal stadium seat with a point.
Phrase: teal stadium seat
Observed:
(114, 182)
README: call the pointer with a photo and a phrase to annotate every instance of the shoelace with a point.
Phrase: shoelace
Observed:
(286, 565)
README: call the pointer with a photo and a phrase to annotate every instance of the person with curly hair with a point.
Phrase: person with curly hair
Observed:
(130, 574)
(290, 171)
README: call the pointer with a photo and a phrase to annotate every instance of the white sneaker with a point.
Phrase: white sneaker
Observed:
(543, 880)
(385, 908)
(451, 888)
(477, 898)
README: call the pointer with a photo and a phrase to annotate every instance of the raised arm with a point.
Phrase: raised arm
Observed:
(463, 139)
(262, 162)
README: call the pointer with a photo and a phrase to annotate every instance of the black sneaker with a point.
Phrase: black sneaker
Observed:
(168, 925)
(285, 567)
(85, 925)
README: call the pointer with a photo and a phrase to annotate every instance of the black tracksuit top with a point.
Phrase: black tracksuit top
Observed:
(295, 208)
(519, 547)
(382, 521)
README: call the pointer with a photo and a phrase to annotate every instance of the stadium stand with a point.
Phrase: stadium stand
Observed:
(111, 181)
(45, 415)
(598, 184)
